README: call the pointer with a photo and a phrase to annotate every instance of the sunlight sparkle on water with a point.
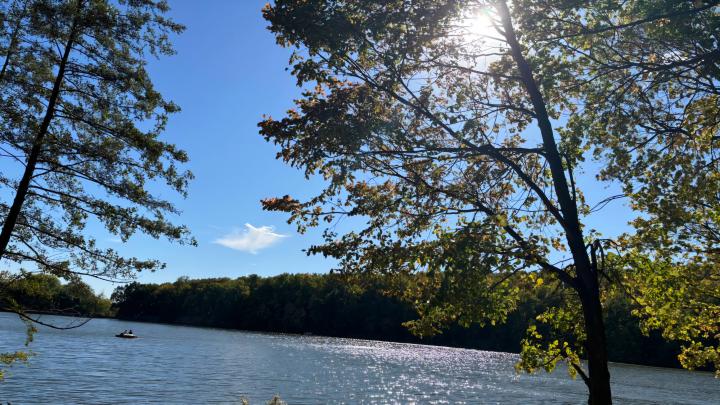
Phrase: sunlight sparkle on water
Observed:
(175, 364)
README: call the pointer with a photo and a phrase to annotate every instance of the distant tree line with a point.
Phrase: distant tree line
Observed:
(46, 294)
(330, 305)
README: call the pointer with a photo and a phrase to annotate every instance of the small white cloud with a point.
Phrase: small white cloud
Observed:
(250, 239)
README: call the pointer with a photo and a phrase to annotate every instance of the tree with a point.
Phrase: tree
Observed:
(80, 126)
(465, 150)
(655, 118)
(654, 69)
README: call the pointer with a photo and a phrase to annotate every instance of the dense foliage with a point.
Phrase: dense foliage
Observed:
(330, 305)
(46, 293)
(81, 124)
(477, 158)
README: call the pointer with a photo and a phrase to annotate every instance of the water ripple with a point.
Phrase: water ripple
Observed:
(177, 365)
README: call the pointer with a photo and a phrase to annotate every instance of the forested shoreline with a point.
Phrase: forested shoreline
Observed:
(329, 305)
(46, 294)
(320, 304)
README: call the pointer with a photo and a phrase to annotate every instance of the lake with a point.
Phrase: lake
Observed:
(177, 364)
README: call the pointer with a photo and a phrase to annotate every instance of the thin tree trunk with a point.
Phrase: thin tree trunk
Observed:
(22, 190)
(587, 286)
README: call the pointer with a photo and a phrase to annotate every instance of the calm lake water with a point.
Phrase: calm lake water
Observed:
(176, 364)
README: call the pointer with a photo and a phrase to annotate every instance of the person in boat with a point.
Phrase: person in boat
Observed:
(130, 333)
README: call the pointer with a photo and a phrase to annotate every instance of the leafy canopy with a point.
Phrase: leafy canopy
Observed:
(465, 153)
(102, 158)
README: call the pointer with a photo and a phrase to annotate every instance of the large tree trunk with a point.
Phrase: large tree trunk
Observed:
(586, 282)
(24, 184)
(596, 343)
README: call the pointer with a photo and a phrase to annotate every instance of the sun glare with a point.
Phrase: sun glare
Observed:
(479, 26)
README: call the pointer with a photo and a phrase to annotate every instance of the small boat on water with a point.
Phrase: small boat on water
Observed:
(126, 335)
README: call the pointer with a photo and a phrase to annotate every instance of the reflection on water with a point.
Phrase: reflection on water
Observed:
(174, 364)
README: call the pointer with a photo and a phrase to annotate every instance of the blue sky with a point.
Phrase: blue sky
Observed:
(227, 73)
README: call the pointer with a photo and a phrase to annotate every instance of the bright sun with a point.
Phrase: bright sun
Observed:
(479, 26)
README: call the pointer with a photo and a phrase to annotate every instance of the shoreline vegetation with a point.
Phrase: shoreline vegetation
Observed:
(317, 304)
